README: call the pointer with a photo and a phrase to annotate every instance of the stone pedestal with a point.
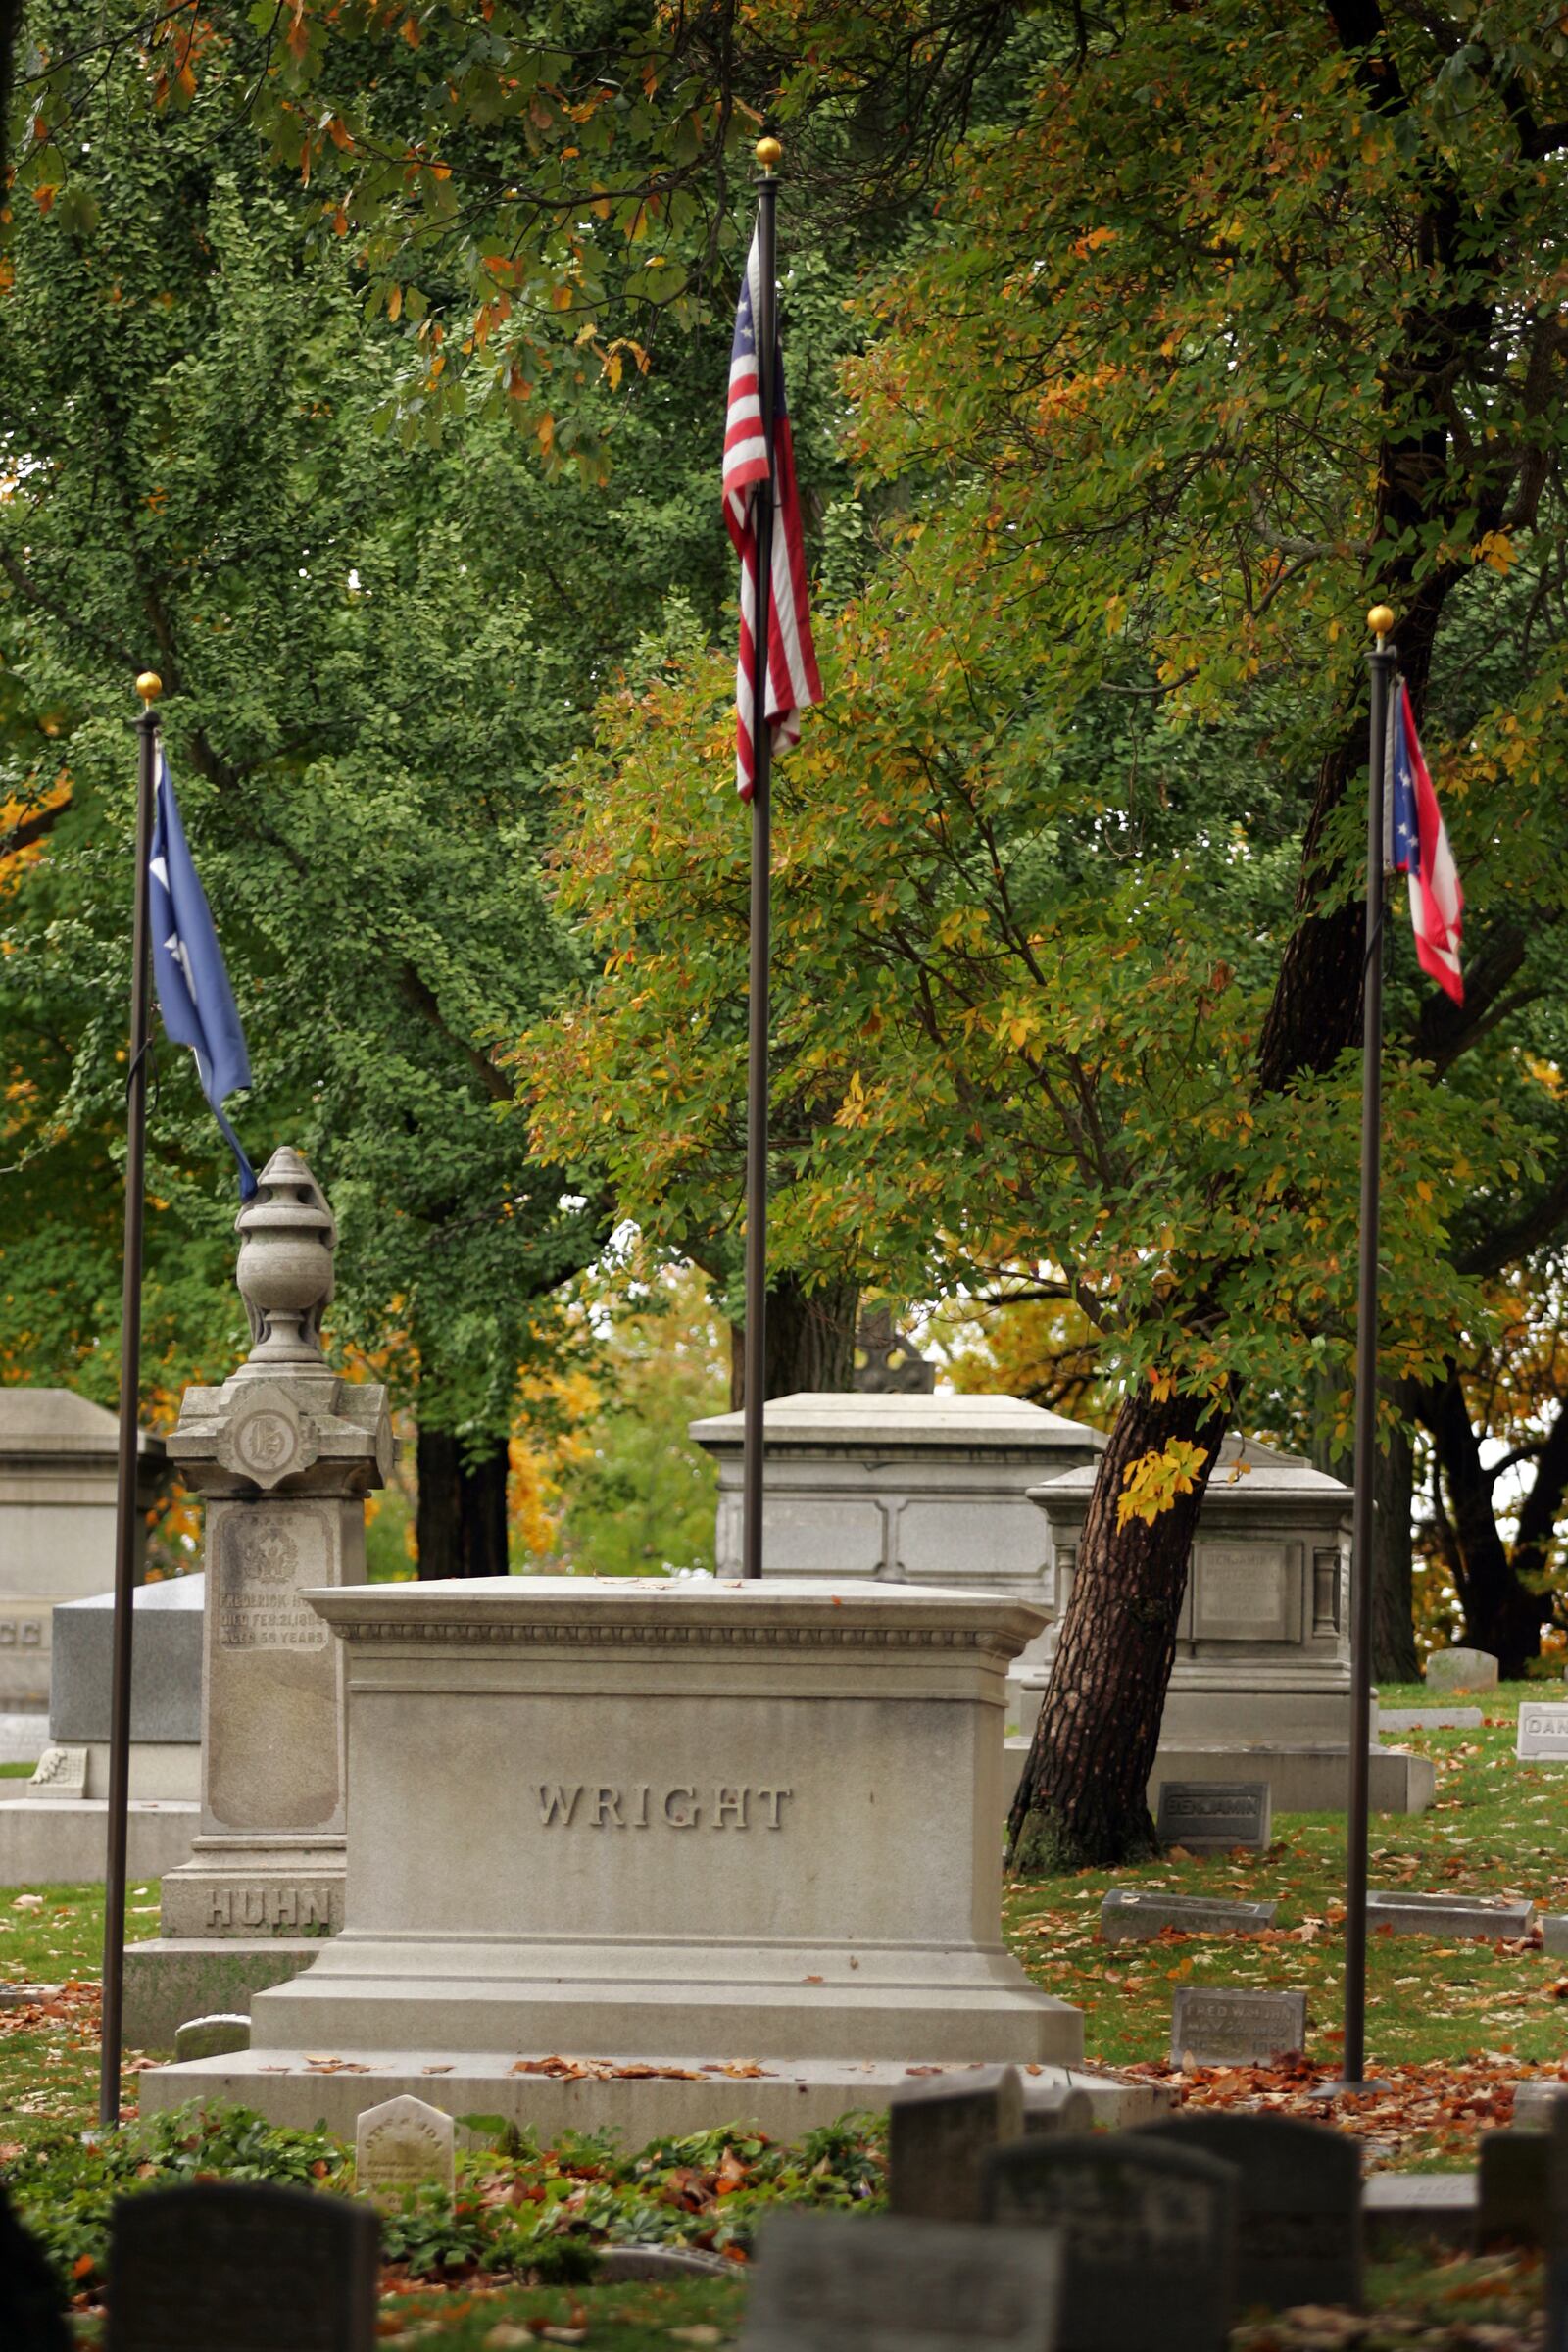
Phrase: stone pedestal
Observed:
(730, 1831)
(910, 1489)
(59, 1463)
(283, 1453)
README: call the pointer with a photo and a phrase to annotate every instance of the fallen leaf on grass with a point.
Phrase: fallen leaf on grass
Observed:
(699, 2335)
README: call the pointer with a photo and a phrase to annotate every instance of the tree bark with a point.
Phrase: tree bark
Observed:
(809, 1339)
(1501, 1615)
(1082, 1800)
(461, 1523)
(1394, 1651)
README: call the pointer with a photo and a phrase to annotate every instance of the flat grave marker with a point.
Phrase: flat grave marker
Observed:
(1446, 1915)
(828, 2282)
(1554, 1931)
(1215, 2026)
(1543, 1737)
(243, 2266)
(1126, 1916)
(404, 2143)
(1205, 1815)
(938, 2131)
(1461, 1670)
(1148, 2237)
(1299, 2204)
(1429, 1719)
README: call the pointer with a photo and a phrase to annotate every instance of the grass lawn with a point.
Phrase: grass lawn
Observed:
(1451, 2025)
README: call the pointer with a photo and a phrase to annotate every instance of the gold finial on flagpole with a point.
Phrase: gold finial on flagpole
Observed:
(769, 154)
(149, 685)
(1380, 620)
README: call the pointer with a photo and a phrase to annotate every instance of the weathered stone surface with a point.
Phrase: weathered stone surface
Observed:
(404, 2143)
(168, 1982)
(1429, 1719)
(1128, 1917)
(828, 2282)
(1211, 1815)
(939, 2130)
(166, 1676)
(1216, 2026)
(1299, 2204)
(50, 1840)
(215, 2263)
(1149, 2235)
(1535, 2104)
(1057, 2111)
(660, 2262)
(1461, 1670)
(1446, 1915)
(60, 1772)
(1543, 1735)
(213, 2037)
(1404, 2209)
(1554, 1931)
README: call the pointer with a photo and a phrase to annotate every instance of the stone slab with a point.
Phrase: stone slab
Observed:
(1129, 1916)
(1298, 2236)
(1401, 2209)
(1429, 1719)
(169, 1980)
(939, 2129)
(166, 1674)
(1063, 2109)
(662, 2095)
(1535, 2104)
(1148, 2233)
(1212, 1816)
(24, 1736)
(1543, 1733)
(404, 2143)
(218, 2263)
(1461, 1670)
(835, 2282)
(1446, 1915)
(1554, 1931)
(53, 1840)
(1216, 2026)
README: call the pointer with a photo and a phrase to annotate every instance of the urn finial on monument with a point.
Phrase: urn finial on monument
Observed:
(287, 1237)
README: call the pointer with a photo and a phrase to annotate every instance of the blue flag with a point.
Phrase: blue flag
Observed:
(193, 992)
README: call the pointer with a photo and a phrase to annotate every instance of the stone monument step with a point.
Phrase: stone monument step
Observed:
(49, 1841)
(642, 2098)
(169, 1979)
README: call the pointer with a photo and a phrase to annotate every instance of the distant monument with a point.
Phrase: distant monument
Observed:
(889, 1365)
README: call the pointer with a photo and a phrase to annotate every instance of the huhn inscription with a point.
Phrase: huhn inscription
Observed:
(687, 1805)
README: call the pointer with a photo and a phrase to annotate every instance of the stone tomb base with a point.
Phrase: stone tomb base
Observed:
(60, 1841)
(729, 1824)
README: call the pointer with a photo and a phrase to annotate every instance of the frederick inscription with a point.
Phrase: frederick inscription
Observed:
(641, 1805)
(260, 1606)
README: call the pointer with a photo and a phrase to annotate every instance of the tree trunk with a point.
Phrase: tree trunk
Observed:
(1501, 1615)
(461, 1526)
(809, 1339)
(1082, 1800)
(1394, 1651)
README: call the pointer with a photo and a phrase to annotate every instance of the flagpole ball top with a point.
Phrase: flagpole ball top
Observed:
(149, 685)
(769, 154)
(1380, 620)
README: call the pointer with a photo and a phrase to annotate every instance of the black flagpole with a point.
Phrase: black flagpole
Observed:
(768, 153)
(149, 686)
(1380, 661)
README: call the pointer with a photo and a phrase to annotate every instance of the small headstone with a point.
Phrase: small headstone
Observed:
(1149, 2235)
(1062, 2108)
(1515, 2187)
(216, 2263)
(1126, 1916)
(1214, 2026)
(404, 2143)
(939, 2129)
(1429, 1719)
(1446, 1915)
(1535, 2104)
(215, 2036)
(621, 2263)
(1208, 1815)
(32, 2310)
(60, 1772)
(832, 2282)
(1400, 2209)
(1299, 2204)
(1461, 1670)
(1543, 1733)
(1554, 1931)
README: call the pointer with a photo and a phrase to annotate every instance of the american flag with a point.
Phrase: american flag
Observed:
(1415, 842)
(793, 683)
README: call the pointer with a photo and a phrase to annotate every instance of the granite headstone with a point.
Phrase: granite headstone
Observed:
(1446, 1915)
(832, 2282)
(1543, 1737)
(1205, 1815)
(1461, 1670)
(1299, 2204)
(939, 2130)
(243, 2266)
(1216, 2024)
(1126, 1916)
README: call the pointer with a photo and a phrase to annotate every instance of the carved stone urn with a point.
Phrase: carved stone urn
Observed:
(287, 1237)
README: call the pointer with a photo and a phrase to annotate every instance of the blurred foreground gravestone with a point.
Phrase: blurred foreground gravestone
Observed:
(32, 2317)
(1214, 2025)
(226, 2267)
(1148, 2237)
(832, 2282)
(1461, 1670)
(939, 2131)
(1299, 2204)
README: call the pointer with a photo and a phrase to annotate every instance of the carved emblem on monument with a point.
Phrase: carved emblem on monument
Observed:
(265, 1439)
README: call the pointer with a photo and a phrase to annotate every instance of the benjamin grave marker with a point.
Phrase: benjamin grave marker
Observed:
(247, 2267)
(1217, 2026)
(404, 2143)
(1148, 2236)
(1299, 2204)
(1202, 1815)
(826, 2283)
